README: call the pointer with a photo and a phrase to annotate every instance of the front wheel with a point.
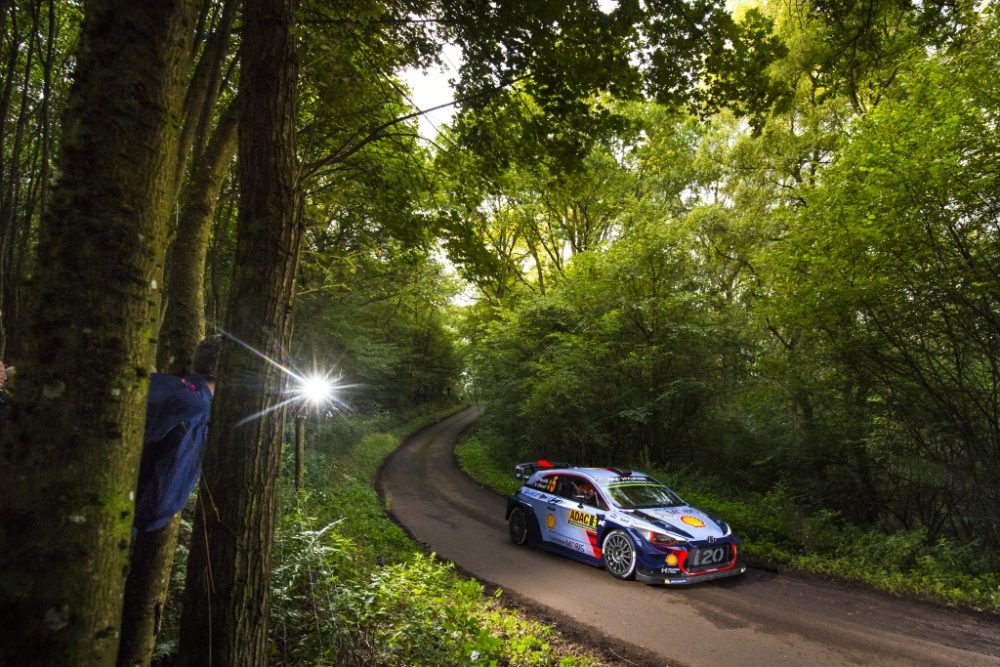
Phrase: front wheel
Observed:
(517, 525)
(618, 554)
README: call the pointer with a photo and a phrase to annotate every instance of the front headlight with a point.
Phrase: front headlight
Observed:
(664, 539)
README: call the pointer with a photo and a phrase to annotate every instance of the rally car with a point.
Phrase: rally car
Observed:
(623, 520)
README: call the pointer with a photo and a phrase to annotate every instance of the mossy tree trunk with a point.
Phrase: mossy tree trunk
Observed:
(206, 86)
(226, 601)
(205, 150)
(183, 322)
(184, 317)
(146, 593)
(183, 328)
(71, 454)
(300, 452)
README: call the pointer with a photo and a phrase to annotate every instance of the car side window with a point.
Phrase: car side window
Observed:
(545, 483)
(566, 487)
(580, 490)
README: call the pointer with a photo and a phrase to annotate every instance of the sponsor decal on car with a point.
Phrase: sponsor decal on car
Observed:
(594, 547)
(582, 519)
(550, 521)
(570, 544)
(693, 521)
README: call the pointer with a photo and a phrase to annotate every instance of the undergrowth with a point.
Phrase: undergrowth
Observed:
(775, 531)
(351, 589)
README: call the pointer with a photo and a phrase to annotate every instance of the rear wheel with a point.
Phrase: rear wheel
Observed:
(517, 525)
(618, 554)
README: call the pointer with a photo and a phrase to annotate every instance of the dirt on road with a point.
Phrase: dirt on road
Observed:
(762, 618)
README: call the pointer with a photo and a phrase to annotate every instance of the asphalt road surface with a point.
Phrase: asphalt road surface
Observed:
(761, 618)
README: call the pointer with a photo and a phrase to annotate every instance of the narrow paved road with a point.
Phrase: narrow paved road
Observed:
(760, 618)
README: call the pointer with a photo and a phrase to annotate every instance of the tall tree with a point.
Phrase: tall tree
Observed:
(208, 145)
(184, 326)
(184, 314)
(205, 150)
(224, 620)
(890, 276)
(35, 38)
(73, 446)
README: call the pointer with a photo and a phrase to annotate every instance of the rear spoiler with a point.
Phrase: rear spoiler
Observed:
(526, 470)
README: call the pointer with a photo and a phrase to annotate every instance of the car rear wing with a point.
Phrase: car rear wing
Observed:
(526, 470)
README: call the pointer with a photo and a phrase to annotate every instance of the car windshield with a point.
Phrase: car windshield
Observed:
(635, 495)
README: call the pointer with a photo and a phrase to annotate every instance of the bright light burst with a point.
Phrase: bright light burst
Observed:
(319, 389)
(316, 389)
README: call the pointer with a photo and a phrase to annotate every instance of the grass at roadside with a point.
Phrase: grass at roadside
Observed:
(477, 456)
(351, 589)
(776, 532)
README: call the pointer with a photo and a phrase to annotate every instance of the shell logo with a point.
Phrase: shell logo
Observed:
(693, 521)
(550, 521)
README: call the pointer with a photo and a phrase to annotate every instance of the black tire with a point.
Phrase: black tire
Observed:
(618, 555)
(517, 525)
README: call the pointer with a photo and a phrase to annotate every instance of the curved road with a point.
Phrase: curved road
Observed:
(761, 618)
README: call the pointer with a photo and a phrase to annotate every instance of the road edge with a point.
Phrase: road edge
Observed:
(614, 651)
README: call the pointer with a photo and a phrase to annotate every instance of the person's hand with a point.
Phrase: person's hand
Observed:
(3, 374)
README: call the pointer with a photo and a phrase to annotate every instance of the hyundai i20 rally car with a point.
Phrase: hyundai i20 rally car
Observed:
(626, 521)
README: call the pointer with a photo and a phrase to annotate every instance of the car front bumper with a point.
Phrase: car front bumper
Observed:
(682, 578)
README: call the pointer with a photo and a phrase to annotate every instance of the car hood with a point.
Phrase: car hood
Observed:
(686, 521)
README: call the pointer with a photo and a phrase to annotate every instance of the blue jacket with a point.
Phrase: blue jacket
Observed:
(177, 415)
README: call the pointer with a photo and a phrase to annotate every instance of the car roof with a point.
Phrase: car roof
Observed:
(603, 477)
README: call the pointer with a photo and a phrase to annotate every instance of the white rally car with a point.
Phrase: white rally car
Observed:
(623, 520)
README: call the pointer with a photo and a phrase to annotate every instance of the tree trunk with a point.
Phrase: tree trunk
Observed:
(71, 453)
(203, 93)
(184, 316)
(184, 319)
(10, 167)
(146, 593)
(184, 327)
(227, 596)
(300, 452)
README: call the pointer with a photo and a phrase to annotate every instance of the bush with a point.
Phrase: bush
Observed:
(351, 590)
(477, 458)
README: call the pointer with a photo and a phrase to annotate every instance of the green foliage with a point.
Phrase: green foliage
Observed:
(568, 52)
(888, 280)
(806, 311)
(383, 322)
(37, 40)
(350, 589)
(330, 611)
(592, 370)
(481, 457)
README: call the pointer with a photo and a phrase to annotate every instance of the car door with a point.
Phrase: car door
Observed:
(547, 505)
(577, 516)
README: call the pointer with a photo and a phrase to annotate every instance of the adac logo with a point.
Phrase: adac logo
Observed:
(578, 518)
(693, 521)
(550, 521)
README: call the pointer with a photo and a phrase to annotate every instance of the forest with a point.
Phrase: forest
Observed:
(754, 245)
